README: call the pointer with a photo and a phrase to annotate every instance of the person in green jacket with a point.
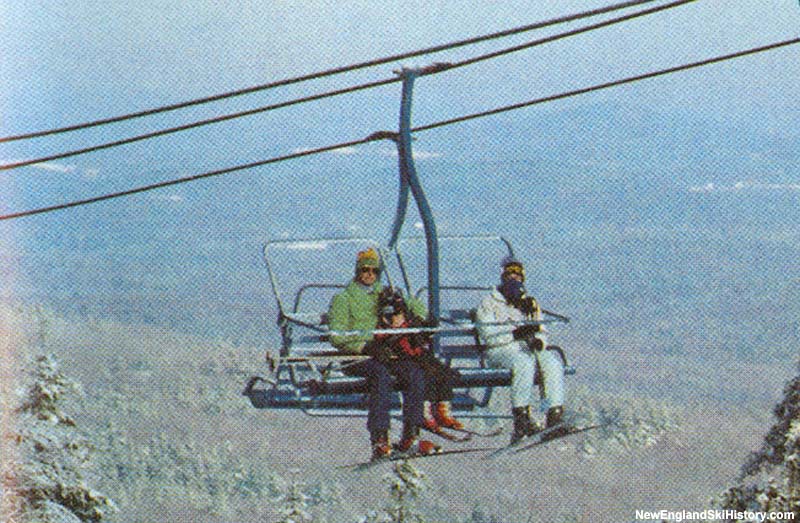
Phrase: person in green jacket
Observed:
(356, 309)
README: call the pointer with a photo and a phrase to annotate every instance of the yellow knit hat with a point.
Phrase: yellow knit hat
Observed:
(368, 258)
(512, 266)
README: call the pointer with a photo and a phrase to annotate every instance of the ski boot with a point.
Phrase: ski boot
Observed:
(523, 426)
(381, 449)
(444, 418)
(429, 420)
(555, 418)
(411, 444)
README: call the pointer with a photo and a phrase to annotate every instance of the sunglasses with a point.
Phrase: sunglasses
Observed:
(373, 270)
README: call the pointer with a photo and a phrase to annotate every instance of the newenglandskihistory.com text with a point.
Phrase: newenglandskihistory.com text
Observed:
(712, 515)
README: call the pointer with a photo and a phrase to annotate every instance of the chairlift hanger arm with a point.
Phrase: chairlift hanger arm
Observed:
(409, 182)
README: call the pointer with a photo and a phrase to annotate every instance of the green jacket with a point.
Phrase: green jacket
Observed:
(356, 309)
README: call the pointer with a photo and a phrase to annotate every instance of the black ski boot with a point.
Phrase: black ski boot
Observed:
(523, 426)
(555, 418)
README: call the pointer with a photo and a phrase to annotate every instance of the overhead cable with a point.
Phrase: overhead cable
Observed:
(360, 87)
(187, 179)
(381, 135)
(607, 85)
(186, 127)
(574, 32)
(331, 72)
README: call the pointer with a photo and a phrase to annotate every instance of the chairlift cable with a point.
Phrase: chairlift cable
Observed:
(328, 72)
(438, 68)
(186, 127)
(186, 179)
(382, 135)
(607, 85)
(574, 32)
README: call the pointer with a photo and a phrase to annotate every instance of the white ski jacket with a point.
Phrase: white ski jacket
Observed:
(495, 309)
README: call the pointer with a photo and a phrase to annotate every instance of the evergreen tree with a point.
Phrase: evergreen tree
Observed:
(294, 503)
(406, 484)
(47, 483)
(770, 479)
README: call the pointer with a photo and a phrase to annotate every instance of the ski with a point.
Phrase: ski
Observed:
(404, 456)
(548, 434)
(489, 434)
(555, 435)
(449, 436)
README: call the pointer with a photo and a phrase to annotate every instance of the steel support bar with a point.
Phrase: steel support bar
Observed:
(410, 181)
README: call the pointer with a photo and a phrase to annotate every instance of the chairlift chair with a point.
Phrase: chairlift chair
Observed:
(307, 372)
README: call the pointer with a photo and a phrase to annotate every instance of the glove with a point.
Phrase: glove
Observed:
(381, 350)
(535, 344)
(412, 346)
(524, 332)
(421, 338)
(527, 305)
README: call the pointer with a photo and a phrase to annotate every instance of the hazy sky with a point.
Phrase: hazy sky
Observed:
(66, 62)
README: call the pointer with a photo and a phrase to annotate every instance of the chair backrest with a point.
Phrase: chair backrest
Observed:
(305, 275)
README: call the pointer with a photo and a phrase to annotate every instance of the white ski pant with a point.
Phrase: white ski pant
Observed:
(522, 362)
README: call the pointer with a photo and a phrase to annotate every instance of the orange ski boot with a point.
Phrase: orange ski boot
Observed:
(381, 449)
(430, 423)
(444, 418)
(412, 444)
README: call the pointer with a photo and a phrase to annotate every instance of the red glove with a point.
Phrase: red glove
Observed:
(408, 350)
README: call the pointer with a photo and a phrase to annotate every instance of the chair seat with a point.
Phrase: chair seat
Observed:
(469, 377)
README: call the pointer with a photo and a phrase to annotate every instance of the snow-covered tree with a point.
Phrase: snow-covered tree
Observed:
(406, 484)
(46, 483)
(294, 503)
(770, 479)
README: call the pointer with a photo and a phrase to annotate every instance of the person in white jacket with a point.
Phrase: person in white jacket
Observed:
(520, 348)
